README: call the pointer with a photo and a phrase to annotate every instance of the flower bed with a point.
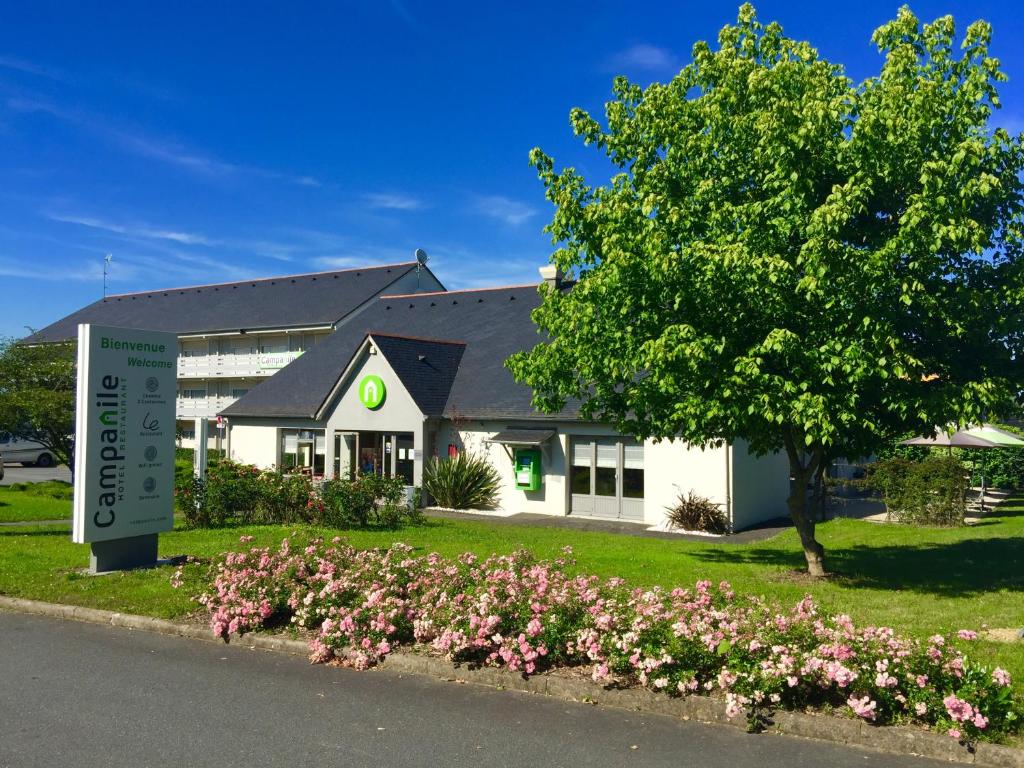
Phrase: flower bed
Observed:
(530, 615)
(234, 493)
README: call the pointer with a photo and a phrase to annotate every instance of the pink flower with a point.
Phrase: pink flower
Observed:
(958, 709)
(1001, 677)
(955, 733)
(967, 634)
(862, 707)
(980, 721)
(920, 708)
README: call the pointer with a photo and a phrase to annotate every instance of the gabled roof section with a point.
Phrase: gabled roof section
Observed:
(291, 301)
(492, 323)
(426, 367)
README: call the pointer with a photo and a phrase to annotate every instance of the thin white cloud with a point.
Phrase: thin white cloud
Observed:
(503, 209)
(18, 64)
(133, 230)
(362, 256)
(17, 268)
(393, 202)
(403, 13)
(463, 271)
(648, 58)
(169, 152)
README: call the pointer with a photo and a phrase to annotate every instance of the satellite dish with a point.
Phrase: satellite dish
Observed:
(421, 256)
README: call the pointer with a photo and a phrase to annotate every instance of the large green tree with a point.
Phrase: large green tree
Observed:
(37, 394)
(785, 257)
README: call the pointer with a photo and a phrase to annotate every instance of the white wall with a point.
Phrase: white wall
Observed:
(670, 467)
(673, 467)
(760, 486)
(254, 444)
(472, 436)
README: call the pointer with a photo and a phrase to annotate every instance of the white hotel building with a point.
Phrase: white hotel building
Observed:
(380, 369)
(232, 336)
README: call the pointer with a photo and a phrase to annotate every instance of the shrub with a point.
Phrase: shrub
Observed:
(529, 615)
(465, 481)
(927, 492)
(241, 493)
(1001, 467)
(283, 498)
(190, 501)
(694, 512)
(367, 500)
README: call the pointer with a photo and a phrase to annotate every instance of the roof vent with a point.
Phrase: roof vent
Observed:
(552, 276)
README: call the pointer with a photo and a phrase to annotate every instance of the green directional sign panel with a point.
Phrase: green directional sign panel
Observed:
(372, 391)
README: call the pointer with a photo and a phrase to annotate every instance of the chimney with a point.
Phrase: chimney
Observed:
(552, 276)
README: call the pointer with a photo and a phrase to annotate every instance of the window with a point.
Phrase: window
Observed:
(237, 393)
(303, 450)
(193, 394)
(193, 348)
(632, 471)
(273, 345)
(606, 467)
(404, 457)
(579, 479)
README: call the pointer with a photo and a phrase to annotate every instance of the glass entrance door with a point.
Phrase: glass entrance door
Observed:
(606, 477)
(389, 454)
(345, 455)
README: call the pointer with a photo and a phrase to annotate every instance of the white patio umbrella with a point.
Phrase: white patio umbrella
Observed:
(981, 437)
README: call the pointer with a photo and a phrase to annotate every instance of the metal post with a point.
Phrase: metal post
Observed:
(202, 425)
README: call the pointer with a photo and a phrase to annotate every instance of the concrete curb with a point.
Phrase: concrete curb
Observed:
(896, 739)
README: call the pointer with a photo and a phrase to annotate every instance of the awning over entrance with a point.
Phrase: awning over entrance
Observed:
(532, 437)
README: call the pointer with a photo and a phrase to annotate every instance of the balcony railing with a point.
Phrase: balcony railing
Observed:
(201, 407)
(233, 366)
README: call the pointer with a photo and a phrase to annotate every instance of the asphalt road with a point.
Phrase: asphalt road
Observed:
(88, 695)
(15, 473)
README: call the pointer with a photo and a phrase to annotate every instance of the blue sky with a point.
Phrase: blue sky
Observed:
(202, 142)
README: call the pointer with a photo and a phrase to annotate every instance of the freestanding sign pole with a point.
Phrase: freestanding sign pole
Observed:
(124, 444)
(199, 457)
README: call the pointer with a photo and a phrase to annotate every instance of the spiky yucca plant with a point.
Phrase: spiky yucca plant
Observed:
(466, 481)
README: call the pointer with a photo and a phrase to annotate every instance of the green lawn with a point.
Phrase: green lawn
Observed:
(35, 501)
(919, 580)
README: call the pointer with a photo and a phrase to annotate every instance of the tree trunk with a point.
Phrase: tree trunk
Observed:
(803, 521)
(819, 496)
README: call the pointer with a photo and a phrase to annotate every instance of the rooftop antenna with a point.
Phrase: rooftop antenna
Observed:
(106, 263)
(421, 262)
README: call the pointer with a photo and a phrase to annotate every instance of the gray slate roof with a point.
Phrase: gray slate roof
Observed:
(492, 323)
(276, 302)
(426, 367)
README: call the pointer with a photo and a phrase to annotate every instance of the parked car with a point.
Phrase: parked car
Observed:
(1, 466)
(24, 451)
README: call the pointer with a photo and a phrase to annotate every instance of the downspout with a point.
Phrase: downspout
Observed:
(728, 485)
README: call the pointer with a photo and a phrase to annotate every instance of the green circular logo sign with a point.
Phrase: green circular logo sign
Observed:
(371, 391)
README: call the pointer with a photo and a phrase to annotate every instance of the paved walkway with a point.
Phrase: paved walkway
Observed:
(24, 523)
(15, 473)
(760, 533)
(88, 695)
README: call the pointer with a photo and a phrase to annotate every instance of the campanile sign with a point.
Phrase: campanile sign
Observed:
(124, 443)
